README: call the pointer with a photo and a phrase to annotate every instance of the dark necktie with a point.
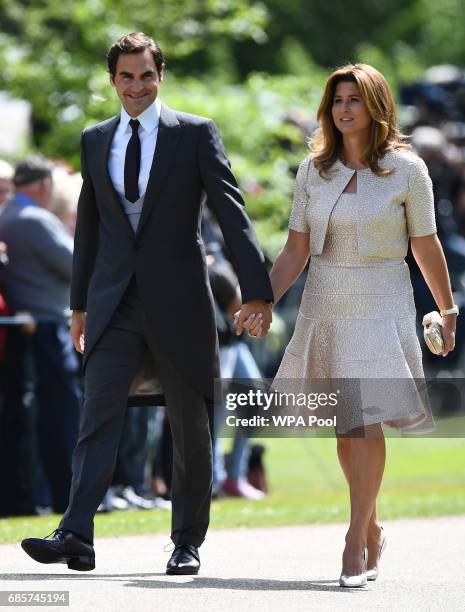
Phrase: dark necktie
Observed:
(132, 164)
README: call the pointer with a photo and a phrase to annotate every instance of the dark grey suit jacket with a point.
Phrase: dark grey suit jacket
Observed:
(166, 253)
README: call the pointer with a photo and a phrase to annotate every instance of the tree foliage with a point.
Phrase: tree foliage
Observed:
(262, 123)
(53, 51)
(252, 65)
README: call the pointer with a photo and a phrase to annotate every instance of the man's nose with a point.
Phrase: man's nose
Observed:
(137, 85)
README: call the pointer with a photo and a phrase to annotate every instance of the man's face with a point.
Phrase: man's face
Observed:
(136, 81)
(6, 190)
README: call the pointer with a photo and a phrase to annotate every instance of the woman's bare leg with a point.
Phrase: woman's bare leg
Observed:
(374, 533)
(362, 460)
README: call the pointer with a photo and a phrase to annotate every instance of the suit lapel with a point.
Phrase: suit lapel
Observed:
(108, 131)
(169, 133)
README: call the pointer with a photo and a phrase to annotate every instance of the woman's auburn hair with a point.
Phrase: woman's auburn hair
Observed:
(326, 142)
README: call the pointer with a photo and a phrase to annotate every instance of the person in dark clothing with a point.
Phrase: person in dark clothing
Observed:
(37, 280)
(140, 280)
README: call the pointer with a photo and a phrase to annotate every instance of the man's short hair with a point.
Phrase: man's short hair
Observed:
(32, 169)
(136, 42)
(6, 171)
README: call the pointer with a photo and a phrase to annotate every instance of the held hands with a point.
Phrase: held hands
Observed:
(255, 317)
(78, 329)
(448, 333)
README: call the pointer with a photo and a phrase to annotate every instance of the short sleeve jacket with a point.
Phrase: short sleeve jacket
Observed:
(390, 208)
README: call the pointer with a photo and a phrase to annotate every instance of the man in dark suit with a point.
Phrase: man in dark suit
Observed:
(140, 280)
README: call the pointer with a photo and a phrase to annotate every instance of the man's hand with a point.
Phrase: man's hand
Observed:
(31, 326)
(255, 317)
(78, 329)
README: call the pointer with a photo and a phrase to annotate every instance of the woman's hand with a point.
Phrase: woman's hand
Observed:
(448, 333)
(429, 256)
(254, 316)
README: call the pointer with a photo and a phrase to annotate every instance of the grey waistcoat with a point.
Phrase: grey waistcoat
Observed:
(133, 210)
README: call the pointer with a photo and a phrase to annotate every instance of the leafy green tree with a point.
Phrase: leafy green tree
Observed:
(441, 38)
(263, 123)
(330, 32)
(53, 52)
(257, 67)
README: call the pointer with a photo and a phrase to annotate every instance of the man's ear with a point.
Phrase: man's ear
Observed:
(161, 75)
(111, 79)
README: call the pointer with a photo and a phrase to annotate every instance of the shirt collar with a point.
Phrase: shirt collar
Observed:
(24, 200)
(148, 119)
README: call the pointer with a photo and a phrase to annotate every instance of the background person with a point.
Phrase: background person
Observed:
(66, 188)
(236, 362)
(6, 182)
(37, 280)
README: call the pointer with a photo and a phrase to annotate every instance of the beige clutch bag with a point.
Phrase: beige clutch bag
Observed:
(432, 332)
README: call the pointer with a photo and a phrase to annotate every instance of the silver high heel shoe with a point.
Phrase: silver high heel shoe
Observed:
(373, 573)
(360, 580)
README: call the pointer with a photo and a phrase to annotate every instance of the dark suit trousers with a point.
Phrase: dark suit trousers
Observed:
(110, 369)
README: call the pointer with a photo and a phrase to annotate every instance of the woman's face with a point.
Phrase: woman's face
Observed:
(349, 111)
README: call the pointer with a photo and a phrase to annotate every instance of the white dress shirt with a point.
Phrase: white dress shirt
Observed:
(148, 131)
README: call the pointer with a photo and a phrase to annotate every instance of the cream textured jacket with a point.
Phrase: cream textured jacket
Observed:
(389, 208)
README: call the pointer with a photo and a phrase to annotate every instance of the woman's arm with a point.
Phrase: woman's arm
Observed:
(286, 269)
(429, 256)
(289, 263)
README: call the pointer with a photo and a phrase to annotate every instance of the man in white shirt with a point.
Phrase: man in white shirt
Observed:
(140, 282)
(148, 131)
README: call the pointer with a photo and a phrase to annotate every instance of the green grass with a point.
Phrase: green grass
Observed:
(424, 477)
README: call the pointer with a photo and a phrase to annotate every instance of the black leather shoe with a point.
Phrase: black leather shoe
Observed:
(184, 560)
(63, 547)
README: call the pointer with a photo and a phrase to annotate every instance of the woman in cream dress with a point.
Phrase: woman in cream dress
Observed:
(359, 197)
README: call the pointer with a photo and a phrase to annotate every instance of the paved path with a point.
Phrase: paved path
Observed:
(285, 568)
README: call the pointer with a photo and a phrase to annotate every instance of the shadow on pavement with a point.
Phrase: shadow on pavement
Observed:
(194, 582)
